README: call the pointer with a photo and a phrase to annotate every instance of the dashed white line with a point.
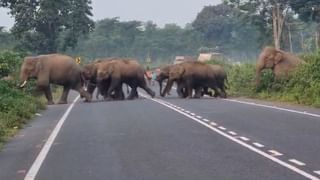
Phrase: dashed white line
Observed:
(244, 138)
(192, 114)
(213, 124)
(275, 153)
(248, 146)
(222, 128)
(232, 133)
(206, 120)
(258, 145)
(199, 117)
(299, 163)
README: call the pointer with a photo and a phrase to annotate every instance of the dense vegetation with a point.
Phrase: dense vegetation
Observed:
(16, 106)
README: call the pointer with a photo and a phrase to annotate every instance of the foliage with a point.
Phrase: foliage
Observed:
(112, 37)
(227, 30)
(16, 107)
(9, 62)
(40, 23)
(302, 87)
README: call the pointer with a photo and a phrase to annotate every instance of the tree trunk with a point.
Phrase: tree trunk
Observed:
(278, 21)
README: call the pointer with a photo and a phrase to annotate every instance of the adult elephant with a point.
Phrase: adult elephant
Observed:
(53, 69)
(196, 75)
(282, 63)
(163, 75)
(89, 72)
(127, 71)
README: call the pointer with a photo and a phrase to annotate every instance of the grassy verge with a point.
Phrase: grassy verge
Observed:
(16, 107)
(301, 87)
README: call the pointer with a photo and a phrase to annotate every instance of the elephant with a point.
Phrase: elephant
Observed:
(282, 63)
(53, 69)
(89, 72)
(163, 75)
(127, 71)
(196, 75)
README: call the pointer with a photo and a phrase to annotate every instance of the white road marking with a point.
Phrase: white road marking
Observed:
(33, 171)
(232, 133)
(275, 153)
(199, 117)
(244, 138)
(248, 146)
(299, 163)
(37, 114)
(258, 145)
(206, 120)
(222, 128)
(273, 107)
(317, 172)
(193, 114)
(187, 112)
(213, 124)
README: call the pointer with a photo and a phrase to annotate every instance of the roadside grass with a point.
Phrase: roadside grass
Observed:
(301, 87)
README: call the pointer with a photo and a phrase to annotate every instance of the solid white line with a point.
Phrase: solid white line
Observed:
(232, 133)
(273, 107)
(33, 171)
(222, 128)
(299, 163)
(317, 172)
(258, 145)
(244, 138)
(275, 153)
(250, 147)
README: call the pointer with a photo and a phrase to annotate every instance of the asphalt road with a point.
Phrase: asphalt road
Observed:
(166, 139)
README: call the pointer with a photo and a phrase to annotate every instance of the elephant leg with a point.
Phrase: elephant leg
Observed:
(113, 86)
(147, 89)
(47, 93)
(64, 96)
(133, 93)
(198, 92)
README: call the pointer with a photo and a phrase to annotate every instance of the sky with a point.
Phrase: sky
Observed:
(160, 12)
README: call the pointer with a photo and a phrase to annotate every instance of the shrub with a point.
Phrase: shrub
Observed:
(9, 63)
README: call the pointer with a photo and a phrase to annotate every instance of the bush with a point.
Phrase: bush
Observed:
(301, 87)
(9, 63)
(16, 106)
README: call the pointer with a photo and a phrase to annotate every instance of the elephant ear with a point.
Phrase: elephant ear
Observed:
(278, 58)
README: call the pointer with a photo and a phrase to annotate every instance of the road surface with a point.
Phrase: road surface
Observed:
(166, 139)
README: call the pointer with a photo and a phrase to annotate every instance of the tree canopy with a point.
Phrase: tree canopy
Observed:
(40, 23)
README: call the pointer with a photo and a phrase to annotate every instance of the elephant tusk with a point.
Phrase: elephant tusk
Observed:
(23, 84)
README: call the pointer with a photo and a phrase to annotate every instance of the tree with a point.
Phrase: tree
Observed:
(226, 29)
(270, 12)
(309, 11)
(40, 23)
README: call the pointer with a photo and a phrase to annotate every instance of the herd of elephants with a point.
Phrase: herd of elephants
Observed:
(107, 75)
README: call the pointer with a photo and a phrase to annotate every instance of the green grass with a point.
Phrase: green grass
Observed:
(301, 87)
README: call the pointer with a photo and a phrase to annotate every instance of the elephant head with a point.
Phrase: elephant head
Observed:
(30, 68)
(105, 71)
(279, 61)
(162, 75)
(175, 73)
(89, 71)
